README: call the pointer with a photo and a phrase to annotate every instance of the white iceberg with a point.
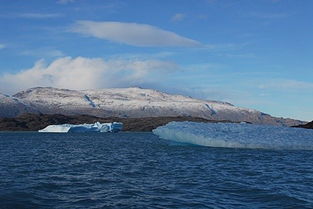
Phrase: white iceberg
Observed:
(96, 127)
(237, 135)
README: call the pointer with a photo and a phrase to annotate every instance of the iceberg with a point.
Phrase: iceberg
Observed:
(96, 127)
(237, 135)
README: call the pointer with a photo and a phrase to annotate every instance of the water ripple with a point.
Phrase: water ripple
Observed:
(138, 170)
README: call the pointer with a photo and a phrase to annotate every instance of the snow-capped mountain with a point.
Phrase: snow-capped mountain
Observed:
(10, 106)
(134, 102)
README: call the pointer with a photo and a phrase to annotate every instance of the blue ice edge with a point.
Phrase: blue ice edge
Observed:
(237, 135)
(84, 128)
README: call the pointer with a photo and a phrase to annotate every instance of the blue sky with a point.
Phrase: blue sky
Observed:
(256, 54)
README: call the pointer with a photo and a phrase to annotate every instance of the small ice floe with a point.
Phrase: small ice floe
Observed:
(96, 127)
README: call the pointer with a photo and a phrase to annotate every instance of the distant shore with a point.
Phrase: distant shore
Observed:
(34, 122)
(308, 125)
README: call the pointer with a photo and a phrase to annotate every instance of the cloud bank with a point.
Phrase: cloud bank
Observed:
(86, 73)
(134, 34)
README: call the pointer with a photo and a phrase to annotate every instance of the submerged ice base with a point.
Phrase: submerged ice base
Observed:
(237, 135)
(96, 127)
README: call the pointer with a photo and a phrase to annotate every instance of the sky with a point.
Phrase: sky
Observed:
(256, 54)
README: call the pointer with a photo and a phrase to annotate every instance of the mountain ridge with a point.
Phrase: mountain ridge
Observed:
(132, 102)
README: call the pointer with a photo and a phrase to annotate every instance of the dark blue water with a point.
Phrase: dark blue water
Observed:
(138, 170)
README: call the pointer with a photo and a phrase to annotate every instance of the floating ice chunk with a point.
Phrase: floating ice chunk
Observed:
(237, 135)
(96, 127)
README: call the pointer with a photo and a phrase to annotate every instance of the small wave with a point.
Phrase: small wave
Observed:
(237, 135)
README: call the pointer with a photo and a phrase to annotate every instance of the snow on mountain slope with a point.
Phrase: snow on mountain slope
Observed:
(10, 106)
(137, 102)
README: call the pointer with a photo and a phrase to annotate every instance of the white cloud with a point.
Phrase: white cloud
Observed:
(43, 52)
(269, 15)
(140, 56)
(2, 46)
(65, 1)
(86, 73)
(38, 15)
(286, 84)
(178, 17)
(133, 34)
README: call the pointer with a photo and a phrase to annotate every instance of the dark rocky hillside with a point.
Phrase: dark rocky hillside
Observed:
(34, 122)
(308, 125)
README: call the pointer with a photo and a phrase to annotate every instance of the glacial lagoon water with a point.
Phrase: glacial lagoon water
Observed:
(140, 170)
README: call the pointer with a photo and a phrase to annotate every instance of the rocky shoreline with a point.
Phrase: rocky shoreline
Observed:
(34, 122)
(308, 125)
